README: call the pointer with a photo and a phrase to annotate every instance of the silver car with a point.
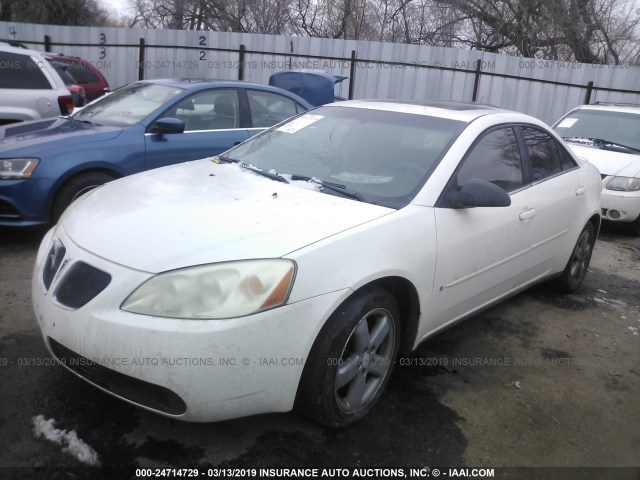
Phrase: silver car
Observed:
(30, 89)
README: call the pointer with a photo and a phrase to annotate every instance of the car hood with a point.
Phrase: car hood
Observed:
(608, 162)
(44, 135)
(201, 212)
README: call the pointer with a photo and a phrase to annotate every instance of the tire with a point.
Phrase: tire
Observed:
(75, 188)
(351, 360)
(578, 264)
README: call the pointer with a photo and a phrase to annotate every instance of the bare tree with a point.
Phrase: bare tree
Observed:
(589, 31)
(54, 12)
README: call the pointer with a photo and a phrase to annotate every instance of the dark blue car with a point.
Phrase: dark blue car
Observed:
(46, 164)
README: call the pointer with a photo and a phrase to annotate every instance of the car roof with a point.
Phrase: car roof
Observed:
(5, 47)
(613, 107)
(462, 111)
(199, 83)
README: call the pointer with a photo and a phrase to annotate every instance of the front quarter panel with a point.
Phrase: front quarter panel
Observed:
(401, 244)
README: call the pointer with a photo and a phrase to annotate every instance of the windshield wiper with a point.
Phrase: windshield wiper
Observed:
(272, 176)
(600, 142)
(69, 117)
(224, 159)
(334, 187)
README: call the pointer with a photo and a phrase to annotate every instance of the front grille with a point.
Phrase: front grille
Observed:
(7, 210)
(81, 284)
(138, 391)
(51, 265)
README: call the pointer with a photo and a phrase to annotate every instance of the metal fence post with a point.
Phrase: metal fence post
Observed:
(141, 60)
(241, 62)
(476, 81)
(47, 43)
(352, 74)
(587, 97)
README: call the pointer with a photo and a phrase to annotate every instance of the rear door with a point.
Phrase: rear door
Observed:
(558, 186)
(212, 120)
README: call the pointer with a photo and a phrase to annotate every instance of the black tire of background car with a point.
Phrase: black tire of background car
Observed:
(570, 280)
(74, 188)
(317, 397)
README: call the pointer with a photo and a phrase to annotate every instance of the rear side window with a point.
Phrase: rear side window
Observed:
(543, 154)
(268, 108)
(496, 159)
(81, 73)
(21, 72)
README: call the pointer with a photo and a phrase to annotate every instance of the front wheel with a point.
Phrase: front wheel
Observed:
(352, 359)
(74, 189)
(576, 269)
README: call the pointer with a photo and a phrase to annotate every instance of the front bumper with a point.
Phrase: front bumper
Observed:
(24, 203)
(620, 206)
(194, 370)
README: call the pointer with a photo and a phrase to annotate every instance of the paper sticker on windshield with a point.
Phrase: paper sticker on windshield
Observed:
(299, 123)
(567, 122)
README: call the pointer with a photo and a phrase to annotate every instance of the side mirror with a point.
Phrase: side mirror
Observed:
(168, 125)
(478, 193)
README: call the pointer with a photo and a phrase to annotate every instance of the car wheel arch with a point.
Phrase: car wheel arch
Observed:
(70, 177)
(596, 221)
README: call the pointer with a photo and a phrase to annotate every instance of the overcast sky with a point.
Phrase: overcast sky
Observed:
(116, 7)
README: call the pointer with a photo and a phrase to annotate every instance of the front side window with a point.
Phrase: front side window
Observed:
(208, 110)
(268, 108)
(543, 154)
(496, 159)
(382, 157)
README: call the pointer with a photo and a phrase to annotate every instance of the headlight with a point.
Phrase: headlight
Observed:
(17, 168)
(221, 290)
(624, 184)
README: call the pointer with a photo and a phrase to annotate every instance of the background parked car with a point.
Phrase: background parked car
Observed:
(608, 136)
(30, 88)
(315, 86)
(86, 75)
(45, 165)
(77, 92)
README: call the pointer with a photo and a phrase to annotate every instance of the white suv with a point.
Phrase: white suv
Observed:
(30, 89)
(608, 136)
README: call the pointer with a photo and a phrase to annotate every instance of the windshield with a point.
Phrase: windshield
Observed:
(616, 127)
(375, 156)
(127, 105)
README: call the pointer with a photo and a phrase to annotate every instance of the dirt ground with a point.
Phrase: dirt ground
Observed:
(540, 380)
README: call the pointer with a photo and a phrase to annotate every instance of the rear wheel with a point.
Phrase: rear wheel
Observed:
(351, 360)
(74, 189)
(578, 264)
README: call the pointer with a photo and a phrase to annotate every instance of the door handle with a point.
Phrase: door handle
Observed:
(237, 143)
(580, 190)
(528, 214)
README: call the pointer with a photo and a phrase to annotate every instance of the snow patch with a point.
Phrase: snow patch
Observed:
(69, 440)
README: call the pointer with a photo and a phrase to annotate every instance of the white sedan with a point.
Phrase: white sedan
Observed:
(608, 136)
(290, 271)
